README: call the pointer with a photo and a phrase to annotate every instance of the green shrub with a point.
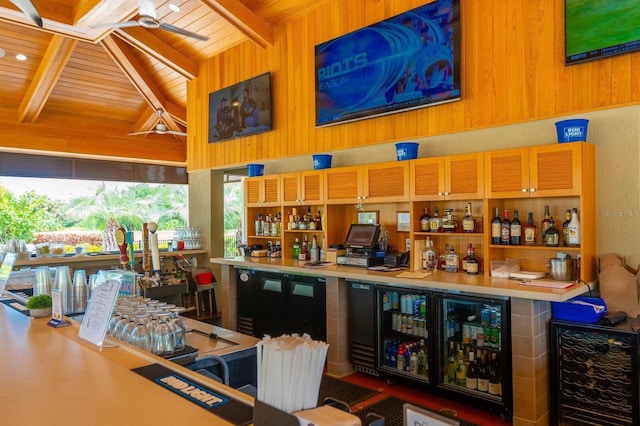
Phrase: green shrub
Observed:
(41, 301)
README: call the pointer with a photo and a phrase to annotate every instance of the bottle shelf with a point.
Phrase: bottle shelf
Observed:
(448, 234)
(263, 237)
(302, 231)
(538, 247)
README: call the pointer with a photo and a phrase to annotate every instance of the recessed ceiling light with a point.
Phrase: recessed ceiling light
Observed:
(21, 57)
(174, 7)
(1, 52)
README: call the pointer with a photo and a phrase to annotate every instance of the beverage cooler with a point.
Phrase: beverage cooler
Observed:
(474, 349)
(404, 333)
(594, 373)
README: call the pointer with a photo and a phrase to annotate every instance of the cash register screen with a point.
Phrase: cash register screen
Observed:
(363, 235)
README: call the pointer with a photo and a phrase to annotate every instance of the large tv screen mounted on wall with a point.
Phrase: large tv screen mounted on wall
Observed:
(599, 29)
(409, 61)
(240, 110)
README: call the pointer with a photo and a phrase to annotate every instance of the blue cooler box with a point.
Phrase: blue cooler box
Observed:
(577, 312)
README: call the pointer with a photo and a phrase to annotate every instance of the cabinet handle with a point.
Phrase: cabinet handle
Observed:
(524, 189)
(440, 193)
(533, 190)
(446, 193)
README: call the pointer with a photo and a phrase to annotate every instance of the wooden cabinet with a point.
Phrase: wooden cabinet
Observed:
(262, 191)
(302, 188)
(540, 171)
(453, 177)
(373, 183)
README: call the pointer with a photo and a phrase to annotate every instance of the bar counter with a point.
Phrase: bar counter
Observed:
(51, 377)
(530, 314)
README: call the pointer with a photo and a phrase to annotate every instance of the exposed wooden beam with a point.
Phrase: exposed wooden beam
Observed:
(121, 53)
(241, 17)
(178, 113)
(147, 120)
(53, 62)
(146, 42)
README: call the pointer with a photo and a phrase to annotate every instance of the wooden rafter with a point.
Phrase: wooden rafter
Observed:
(121, 53)
(53, 63)
(242, 18)
(147, 120)
(146, 42)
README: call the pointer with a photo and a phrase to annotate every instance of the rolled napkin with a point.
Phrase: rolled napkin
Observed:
(290, 370)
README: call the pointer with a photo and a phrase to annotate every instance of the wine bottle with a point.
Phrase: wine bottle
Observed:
(495, 380)
(505, 229)
(530, 231)
(451, 365)
(472, 373)
(461, 370)
(565, 228)
(424, 220)
(516, 230)
(574, 229)
(551, 235)
(483, 375)
(496, 228)
(422, 360)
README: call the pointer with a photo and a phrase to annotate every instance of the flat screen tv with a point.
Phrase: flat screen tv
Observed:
(240, 110)
(362, 235)
(409, 61)
(597, 29)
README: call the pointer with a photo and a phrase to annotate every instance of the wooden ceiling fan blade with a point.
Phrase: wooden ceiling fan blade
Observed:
(28, 8)
(174, 29)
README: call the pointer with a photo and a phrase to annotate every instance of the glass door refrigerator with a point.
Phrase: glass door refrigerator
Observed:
(474, 349)
(404, 333)
(594, 373)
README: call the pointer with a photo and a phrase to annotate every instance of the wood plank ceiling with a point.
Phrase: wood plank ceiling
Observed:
(109, 82)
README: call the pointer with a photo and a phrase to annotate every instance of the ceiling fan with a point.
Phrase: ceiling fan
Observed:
(149, 19)
(28, 8)
(160, 129)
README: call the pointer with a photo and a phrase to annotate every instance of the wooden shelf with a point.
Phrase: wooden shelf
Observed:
(100, 258)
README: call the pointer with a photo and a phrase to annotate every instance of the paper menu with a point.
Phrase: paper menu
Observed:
(96, 318)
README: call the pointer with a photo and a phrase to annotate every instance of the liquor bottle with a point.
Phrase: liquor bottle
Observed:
(565, 228)
(495, 379)
(505, 229)
(413, 362)
(422, 360)
(449, 223)
(530, 232)
(314, 253)
(574, 229)
(468, 222)
(451, 365)
(473, 266)
(296, 249)
(424, 220)
(461, 370)
(442, 258)
(304, 250)
(483, 375)
(545, 220)
(466, 258)
(452, 261)
(516, 230)
(551, 235)
(472, 373)
(429, 257)
(407, 357)
(435, 224)
(496, 228)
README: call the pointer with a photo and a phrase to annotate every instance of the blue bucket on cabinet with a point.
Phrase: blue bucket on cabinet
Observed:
(255, 169)
(406, 151)
(572, 130)
(321, 161)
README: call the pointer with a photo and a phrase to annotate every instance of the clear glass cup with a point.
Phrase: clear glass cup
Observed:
(80, 290)
(140, 336)
(125, 331)
(163, 337)
(42, 282)
(115, 317)
(179, 329)
(124, 319)
(62, 282)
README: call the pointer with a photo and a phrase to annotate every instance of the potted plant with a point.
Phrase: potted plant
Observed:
(39, 306)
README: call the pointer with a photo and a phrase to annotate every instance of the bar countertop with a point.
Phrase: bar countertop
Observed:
(438, 280)
(50, 376)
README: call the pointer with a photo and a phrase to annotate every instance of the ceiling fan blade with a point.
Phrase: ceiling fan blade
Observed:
(147, 8)
(173, 29)
(125, 24)
(27, 7)
(141, 133)
(173, 132)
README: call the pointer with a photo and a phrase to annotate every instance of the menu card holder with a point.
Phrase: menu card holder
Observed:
(96, 318)
(57, 318)
(266, 415)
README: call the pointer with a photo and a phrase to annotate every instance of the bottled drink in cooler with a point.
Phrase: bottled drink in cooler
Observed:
(451, 365)
(495, 386)
(472, 373)
(461, 370)
(483, 375)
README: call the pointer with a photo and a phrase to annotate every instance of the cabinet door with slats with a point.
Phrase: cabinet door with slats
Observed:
(271, 191)
(342, 185)
(311, 186)
(556, 170)
(464, 177)
(252, 191)
(427, 179)
(507, 173)
(290, 188)
(386, 182)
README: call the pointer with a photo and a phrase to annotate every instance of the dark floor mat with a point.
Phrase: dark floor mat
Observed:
(351, 394)
(391, 409)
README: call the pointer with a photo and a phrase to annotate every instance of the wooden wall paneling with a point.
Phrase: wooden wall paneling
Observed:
(552, 47)
(529, 51)
(500, 63)
(485, 105)
(635, 82)
(515, 72)
(469, 51)
(621, 86)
